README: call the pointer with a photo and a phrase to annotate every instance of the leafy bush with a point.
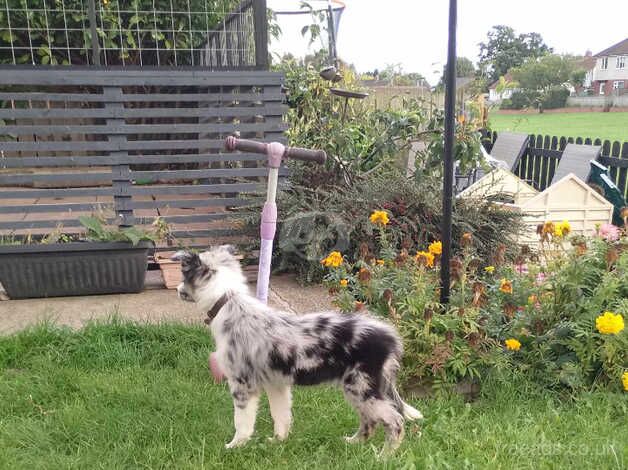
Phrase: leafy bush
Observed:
(556, 316)
(316, 221)
(556, 97)
(357, 137)
(123, 34)
(552, 314)
(518, 100)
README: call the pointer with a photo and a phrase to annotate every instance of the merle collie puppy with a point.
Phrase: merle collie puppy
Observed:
(261, 348)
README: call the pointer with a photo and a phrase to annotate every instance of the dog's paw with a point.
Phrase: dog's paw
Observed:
(355, 439)
(236, 442)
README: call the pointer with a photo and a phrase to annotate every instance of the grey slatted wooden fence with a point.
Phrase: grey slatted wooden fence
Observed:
(538, 164)
(131, 145)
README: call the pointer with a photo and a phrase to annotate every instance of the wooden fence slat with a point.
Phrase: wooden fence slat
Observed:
(113, 76)
(271, 96)
(129, 113)
(126, 129)
(189, 203)
(64, 207)
(100, 146)
(103, 160)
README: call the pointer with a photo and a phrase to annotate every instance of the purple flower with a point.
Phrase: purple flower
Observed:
(521, 268)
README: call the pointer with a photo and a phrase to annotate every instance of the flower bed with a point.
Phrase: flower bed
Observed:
(555, 316)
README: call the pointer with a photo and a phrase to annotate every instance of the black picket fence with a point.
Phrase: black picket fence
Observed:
(539, 162)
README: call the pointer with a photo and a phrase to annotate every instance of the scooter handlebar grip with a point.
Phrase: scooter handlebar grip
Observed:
(233, 143)
(306, 155)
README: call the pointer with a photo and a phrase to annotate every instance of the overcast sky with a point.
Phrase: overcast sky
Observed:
(414, 32)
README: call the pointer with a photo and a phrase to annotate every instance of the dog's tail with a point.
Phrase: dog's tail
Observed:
(390, 390)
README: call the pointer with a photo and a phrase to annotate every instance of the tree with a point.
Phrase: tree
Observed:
(548, 76)
(505, 50)
(464, 68)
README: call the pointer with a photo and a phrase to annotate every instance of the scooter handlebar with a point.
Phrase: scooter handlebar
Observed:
(307, 155)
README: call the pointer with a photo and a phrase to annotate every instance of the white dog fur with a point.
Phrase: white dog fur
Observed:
(261, 348)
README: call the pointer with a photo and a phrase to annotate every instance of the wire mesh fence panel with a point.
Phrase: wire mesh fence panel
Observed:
(213, 33)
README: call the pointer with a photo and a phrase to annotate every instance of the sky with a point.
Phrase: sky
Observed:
(413, 33)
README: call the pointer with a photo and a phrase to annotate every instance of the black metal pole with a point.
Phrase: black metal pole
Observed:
(448, 158)
(92, 26)
(333, 54)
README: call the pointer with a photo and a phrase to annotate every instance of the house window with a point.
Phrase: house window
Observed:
(604, 63)
(602, 85)
(618, 85)
(620, 62)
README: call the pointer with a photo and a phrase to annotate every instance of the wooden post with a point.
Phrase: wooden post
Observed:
(260, 22)
(94, 33)
(448, 158)
(120, 173)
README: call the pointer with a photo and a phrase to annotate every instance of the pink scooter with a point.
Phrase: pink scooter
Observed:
(275, 153)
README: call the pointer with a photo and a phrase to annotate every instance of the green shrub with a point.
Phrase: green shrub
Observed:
(556, 97)
(318, 220)
(518, 100)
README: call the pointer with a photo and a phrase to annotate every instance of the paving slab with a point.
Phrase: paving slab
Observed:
(153, 306)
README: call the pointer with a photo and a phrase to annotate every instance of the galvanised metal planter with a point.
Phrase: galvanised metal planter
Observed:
(80, 268)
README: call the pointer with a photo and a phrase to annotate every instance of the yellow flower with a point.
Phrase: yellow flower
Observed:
(344, 282)
(562, 229)
(512, 344)
(425, 258)
(505, 286)
(379, 218)
(532, 299)
(380, 262)
(333, 260)
(490, 269)
(624, 380)
(436, 248)
(609, 323)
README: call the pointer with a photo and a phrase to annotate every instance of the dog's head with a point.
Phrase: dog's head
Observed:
(210, 274)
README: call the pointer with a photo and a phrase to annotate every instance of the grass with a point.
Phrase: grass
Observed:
(120, 395)
(611, 126)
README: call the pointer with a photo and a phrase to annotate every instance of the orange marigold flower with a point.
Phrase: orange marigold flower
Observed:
(380, 262)
(333, 260)
(425, 258)
(435, 248)
(505, 286)
(379, 218)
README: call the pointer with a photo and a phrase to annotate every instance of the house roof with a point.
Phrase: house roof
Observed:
(621, 48)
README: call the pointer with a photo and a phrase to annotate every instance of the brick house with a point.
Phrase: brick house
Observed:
(610, 75)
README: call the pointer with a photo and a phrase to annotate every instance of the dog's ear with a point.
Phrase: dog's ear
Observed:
(189, 260)
(191, 265)
(232, 250)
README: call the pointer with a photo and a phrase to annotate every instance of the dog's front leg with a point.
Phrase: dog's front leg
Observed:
(245, 404)
(280, 401)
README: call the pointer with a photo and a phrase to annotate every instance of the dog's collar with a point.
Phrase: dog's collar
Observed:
(211, 314)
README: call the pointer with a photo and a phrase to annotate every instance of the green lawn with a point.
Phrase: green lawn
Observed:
(611, 126)
(118, 395)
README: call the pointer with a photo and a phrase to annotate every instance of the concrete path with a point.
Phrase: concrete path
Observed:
(148, 306)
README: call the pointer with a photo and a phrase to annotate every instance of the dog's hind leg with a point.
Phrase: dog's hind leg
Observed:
(245, 403)
(280, 401)
(364, 431)
(385, 412)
